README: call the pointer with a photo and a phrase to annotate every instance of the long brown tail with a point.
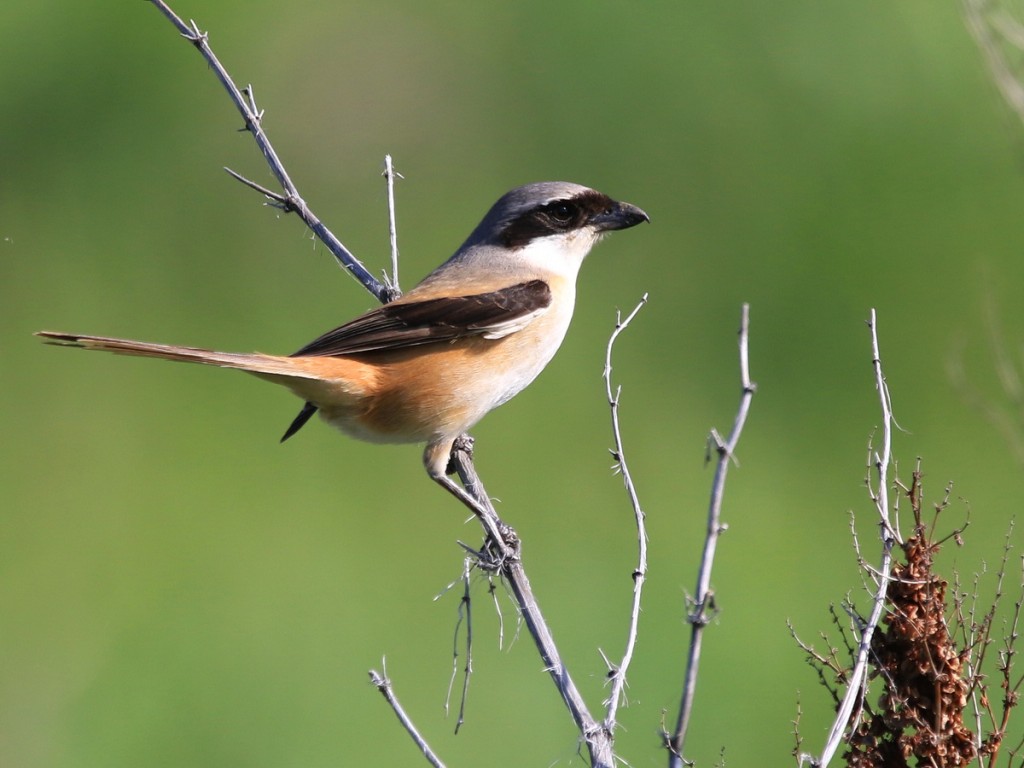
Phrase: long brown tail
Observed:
(254, 363)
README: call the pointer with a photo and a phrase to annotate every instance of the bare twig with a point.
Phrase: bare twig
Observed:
(383, 684)
(618, 674)
(797, 739)
(390, 174)
(1007, 655)
(492, 590)
(828, 668)
(290, 201)
(703, 601)
(880, 496)
(465, 615)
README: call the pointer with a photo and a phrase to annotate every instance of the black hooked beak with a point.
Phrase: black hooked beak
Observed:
(619, 216)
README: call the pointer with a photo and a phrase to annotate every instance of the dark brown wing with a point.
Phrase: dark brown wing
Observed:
(407, 324)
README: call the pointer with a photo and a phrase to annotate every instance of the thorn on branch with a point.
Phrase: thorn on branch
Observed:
(378, 680)
(254, 118)
(612, 670)
(703, 612)
(717, 444)
(277, 200)
(196, 37)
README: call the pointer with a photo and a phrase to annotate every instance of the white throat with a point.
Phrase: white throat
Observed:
(560, 254)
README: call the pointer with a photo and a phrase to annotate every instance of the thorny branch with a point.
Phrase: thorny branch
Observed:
(618, 674)
(703, 601)
(508, 563)
(290, 200)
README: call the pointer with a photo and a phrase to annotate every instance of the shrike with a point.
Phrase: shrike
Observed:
(477, 330)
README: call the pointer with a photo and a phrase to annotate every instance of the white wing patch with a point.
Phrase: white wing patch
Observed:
(507, 328)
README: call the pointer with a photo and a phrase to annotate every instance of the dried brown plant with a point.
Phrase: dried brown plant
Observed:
(931, 704)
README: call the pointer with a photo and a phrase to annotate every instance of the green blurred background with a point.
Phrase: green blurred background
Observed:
(178, 589)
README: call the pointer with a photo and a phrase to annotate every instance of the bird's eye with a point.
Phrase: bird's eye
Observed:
(562, 212)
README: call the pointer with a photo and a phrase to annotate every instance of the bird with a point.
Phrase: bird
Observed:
(426, 367)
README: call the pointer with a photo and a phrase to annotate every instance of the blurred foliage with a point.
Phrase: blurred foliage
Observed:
(178, 589)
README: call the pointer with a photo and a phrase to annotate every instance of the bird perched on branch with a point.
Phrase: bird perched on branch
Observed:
(428, 366)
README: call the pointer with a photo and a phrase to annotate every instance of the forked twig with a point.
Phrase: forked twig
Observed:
(618, 674)
(383, 684)
(703, 601)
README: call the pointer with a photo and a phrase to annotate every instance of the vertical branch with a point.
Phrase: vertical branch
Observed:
(640, 572)
(390, 174)
(704, 599)
(880, 496)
